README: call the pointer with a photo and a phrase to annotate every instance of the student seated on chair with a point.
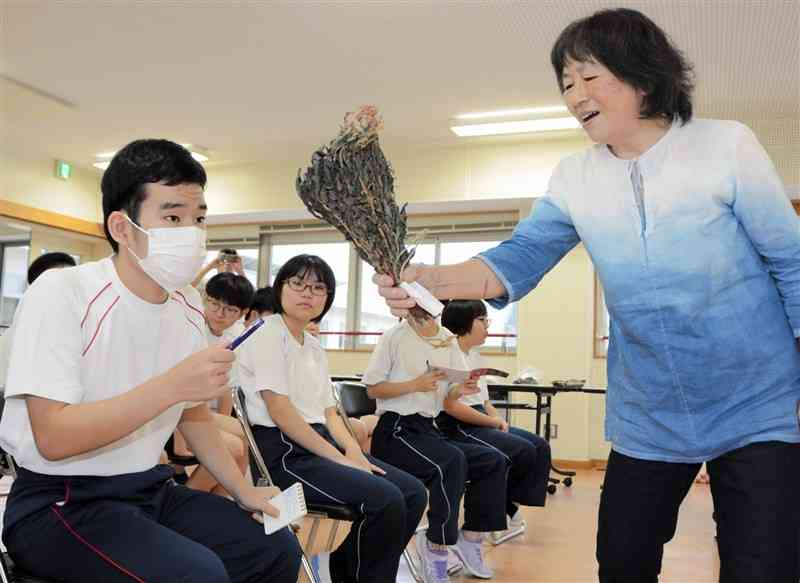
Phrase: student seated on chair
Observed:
(473, 419)
(410, 396)
(94, 392)
(263, 305)
(45, 262)
(227, 296)
(284, 374)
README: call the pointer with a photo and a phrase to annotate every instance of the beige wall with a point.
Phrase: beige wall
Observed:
(348, 362)
(89, 248)
(30, 181)
(556, 327)
(503, 168)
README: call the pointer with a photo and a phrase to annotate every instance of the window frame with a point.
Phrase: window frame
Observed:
(3, 246)
(269, 239)
(438, 239)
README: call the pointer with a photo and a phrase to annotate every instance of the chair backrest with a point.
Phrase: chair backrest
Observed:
(354, 399)
(237, 394)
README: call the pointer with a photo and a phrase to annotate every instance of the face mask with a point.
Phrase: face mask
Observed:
(174, 255)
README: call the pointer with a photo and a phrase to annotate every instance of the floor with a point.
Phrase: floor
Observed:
(559, 544)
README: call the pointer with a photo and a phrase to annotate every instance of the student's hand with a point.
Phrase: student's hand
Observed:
(254, 499)
(202, 376)
(468, 387)
(359, 461)
(428, 382)
(232, 266)
(501, 424)
(396, 298)
(211, 265)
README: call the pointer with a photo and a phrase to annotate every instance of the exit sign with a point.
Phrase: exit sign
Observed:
(63, 170)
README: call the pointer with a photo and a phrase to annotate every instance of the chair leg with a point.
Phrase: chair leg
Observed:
(312, 535)
(412, 566)
(310, 574)
(4, 571)
(332, 536)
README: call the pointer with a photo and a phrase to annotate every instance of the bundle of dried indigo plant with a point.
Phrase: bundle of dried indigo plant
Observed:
(350, 186)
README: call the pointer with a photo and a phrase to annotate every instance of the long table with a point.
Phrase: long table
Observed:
(543, 408)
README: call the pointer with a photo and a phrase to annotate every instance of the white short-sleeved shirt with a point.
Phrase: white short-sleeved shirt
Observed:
(400, 356)
(81, 336)
(472, 360)
(272, 359)
(228, 335)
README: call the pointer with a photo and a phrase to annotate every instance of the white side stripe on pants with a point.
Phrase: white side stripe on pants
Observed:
(288, 471)
(321, 491)
(486, 443)
(441, 477)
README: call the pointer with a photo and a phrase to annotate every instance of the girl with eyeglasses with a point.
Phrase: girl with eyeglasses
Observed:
(285, 377)
(473, 419)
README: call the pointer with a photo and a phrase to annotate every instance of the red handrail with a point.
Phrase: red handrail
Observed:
(358, 333)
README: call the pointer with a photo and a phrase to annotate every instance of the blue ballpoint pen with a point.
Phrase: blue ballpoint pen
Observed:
(246, 334)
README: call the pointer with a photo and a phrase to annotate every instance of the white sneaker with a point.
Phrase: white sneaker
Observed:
(471, 555)
(454, 564)
(432, 564)
(516, 527)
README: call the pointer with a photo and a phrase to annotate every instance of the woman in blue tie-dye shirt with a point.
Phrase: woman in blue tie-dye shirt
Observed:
(698, 251)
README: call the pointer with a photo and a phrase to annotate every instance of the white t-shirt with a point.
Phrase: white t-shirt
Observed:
(472, 360)
(400, 356)
(272, 359)
(81, 336)
(227, 336)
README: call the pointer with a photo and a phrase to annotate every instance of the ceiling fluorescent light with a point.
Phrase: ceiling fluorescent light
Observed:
(198, 153)
(105, 154)
(102, 165)
(516, 127)
(513, 112)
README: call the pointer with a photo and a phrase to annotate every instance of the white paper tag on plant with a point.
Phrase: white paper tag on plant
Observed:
(424, 298)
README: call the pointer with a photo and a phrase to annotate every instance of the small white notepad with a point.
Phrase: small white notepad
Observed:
(291, 503)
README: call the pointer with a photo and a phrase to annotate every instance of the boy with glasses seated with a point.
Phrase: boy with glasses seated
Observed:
(227, 297)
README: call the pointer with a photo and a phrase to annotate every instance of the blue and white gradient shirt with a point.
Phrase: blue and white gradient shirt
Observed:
(698, 251)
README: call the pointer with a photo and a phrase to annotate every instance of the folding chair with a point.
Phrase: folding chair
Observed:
(317, 512)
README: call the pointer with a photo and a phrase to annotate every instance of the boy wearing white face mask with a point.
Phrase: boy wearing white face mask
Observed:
(93, 393)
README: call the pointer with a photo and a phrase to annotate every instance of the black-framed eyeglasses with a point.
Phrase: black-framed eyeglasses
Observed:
(216, 305)
(317, 288)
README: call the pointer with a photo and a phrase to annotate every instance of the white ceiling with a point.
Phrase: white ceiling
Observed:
(251, 80)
